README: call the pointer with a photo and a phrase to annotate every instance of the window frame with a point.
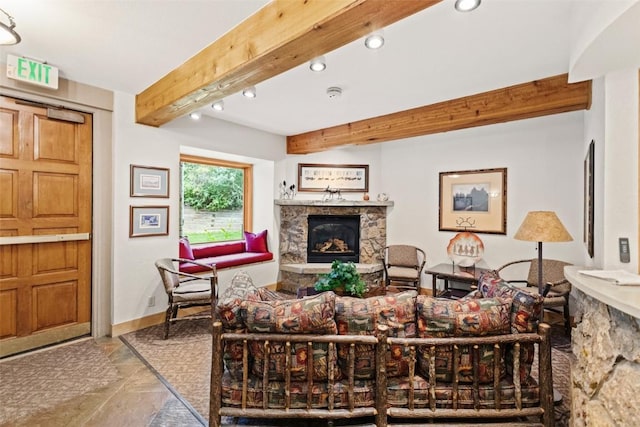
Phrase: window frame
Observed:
(247, 168)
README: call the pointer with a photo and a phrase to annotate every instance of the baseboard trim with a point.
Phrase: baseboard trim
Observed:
(157, 319)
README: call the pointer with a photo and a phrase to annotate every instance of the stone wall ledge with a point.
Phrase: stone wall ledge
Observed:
(345, 203)
(623, 298)
(321, 268)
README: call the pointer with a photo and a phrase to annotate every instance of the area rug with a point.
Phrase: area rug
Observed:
(184, 361)
(41, 380)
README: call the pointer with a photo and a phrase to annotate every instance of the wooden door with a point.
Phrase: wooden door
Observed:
(45, 225)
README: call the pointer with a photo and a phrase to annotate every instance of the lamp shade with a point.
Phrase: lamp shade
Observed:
(542, 226)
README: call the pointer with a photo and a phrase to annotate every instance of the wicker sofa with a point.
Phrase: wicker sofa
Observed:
(395, 358)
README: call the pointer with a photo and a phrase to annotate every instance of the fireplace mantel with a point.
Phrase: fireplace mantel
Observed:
(344, 203)
(293, 216)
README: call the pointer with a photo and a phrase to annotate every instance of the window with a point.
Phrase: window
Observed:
(215, 199)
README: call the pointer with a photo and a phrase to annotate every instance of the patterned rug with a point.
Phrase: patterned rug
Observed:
(183, 360)
(42, 380)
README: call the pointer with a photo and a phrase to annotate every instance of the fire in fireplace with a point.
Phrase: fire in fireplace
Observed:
(333, 237)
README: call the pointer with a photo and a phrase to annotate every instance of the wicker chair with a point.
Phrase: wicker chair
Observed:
(186, 290)
(556, 287)
(403, 263)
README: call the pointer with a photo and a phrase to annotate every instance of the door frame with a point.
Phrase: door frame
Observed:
(99, 102)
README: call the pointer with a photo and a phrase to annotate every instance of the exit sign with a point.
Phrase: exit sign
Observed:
(32, 71)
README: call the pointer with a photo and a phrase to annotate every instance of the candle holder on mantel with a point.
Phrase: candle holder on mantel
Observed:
(287, 193)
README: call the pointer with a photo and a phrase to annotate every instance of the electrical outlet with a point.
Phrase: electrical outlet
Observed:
(152, 301)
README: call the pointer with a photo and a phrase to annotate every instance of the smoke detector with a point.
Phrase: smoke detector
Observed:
(334, 92)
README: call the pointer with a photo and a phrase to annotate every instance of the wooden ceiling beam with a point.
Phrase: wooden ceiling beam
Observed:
(277, 38)
(523, 101)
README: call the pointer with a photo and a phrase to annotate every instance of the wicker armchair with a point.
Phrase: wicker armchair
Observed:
(404, 264)
(556, 287)
(185, 290)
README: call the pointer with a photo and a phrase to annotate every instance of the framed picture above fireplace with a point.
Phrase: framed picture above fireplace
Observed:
(474, 200)
(320, 177)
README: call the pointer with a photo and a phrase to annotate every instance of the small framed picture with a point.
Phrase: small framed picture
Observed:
(474, 200)
(321, 177)
(147, 221)
(147, 181)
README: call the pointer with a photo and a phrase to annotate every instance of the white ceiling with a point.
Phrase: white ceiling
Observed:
(435, 55)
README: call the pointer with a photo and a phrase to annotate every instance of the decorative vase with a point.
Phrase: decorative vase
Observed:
(365, 197)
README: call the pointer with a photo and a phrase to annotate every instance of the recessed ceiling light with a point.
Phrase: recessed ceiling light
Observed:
(318, 64)
(466, 5)
(218, 105)
(8, 35)
(195, 115)
(250, 92)
(374, 41)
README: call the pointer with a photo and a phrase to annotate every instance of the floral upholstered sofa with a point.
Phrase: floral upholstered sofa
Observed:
(395, 357)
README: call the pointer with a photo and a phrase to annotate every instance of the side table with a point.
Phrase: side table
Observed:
(450, 271)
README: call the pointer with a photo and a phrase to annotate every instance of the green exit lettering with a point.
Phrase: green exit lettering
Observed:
(33, 71)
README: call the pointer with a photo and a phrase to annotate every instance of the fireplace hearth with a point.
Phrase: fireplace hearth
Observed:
(333, 237)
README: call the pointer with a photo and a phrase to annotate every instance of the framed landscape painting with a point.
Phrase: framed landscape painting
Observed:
(473, 200)
(145, 221)
(147, 181)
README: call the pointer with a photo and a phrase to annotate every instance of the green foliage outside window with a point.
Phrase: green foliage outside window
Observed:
(212, 188)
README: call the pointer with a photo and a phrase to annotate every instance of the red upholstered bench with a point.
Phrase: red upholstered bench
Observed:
(225, 254)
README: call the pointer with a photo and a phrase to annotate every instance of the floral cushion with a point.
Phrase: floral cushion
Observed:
(439, 317)
(228, 311)
(313, 314)
(526, 312)
(323, 356)
(231, 393)
(361, 316)
(228, 307)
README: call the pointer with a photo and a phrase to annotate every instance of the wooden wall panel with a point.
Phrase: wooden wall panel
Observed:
(54, 304)
(8, 308)
(55, 194)
(8, 131)
(9, 193)
(55, 140)
(55, 256)
(8, 257)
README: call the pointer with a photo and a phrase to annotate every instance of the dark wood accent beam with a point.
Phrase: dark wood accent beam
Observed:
(523, 101)
(277, 38)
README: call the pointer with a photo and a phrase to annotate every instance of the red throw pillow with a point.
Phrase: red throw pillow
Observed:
(185, 249)
(256, 242)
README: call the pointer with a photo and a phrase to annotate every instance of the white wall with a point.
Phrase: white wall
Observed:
(620, 216)
(287, 169)
(135, 278)
(544, 161)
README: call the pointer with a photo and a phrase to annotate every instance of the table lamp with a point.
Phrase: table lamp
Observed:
(542, 226)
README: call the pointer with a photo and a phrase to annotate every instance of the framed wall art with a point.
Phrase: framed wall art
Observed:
(588, 198)
(147, 181)
(145, 221)
(346, 178)
(474, 200)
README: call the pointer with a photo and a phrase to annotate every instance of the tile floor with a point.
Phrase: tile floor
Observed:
(139, 398)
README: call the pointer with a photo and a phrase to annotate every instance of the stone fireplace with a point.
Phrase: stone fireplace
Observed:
(300, 262)
(331, 237)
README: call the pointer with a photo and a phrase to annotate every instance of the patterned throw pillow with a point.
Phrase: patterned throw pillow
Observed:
(322, 355)
(362, 392)
(361, 316)
(228, 308)
(228, 311)
(309, 315)
(526, 312)
(439, 317)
